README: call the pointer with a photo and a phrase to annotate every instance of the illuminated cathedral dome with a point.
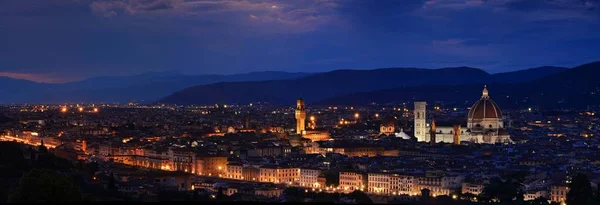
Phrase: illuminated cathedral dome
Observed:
(387, 125)
(388, 121)
(485, 113)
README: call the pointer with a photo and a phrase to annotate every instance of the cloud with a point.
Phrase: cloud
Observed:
(449, 42)
(110, 8)
(271, 15)
(463, 48)
(452, 4)
(40, 78)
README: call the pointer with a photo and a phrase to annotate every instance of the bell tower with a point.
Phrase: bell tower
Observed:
(300, 116)
(420, 129)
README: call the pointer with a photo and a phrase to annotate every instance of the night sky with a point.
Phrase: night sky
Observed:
(66, 40)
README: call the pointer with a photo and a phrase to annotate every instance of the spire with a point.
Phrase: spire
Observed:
(485, 92)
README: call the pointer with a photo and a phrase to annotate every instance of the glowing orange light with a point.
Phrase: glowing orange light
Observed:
(80, 109)
(64, 109)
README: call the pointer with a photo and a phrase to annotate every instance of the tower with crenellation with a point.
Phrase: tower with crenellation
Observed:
(300, 116)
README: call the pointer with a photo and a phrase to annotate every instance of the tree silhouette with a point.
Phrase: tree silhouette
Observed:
(41, 185)
(504, 191)
(220, 194)
(111, 183)
(360, 197)
(580, 190)
(539, 201)
(332, 178)
(293, 194)
(597, 196)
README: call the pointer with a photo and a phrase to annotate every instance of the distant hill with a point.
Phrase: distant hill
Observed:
(144, 87)
(578, 87)
(527, 74)
(341, 82)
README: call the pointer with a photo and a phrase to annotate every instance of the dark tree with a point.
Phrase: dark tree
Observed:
(580, 190)
(539, 201)
(40, 185)
(596, 199)
(111, 182)
(332, 178)
(91, 168)
(503, 191)
(293, 194)
(220, 194)
(360, 197)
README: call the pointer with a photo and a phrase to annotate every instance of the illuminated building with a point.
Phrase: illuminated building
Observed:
(234, 171)
(387, 126)
(312, 124)
(268, 192)
(403, 184)
(457, 131)
(473, 188)
(379, 183)
(485, 114)
(317, 135)
(420, 128)
(279, 174)
(183, 160)
(484, 124)
(439, 183)
(250, 173)
(212, 165)
(313, 134)
(310, 178)
(350, 181)
(300, 116)
(558, 193)
(432, 133)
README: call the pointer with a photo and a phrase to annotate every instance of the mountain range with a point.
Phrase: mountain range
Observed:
(578, 87)
(144, 87)
(325, 87)
(551, 87)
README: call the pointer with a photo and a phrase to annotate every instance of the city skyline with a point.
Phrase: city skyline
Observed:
(457, 102)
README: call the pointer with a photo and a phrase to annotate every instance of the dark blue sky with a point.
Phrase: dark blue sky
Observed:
(65, 40)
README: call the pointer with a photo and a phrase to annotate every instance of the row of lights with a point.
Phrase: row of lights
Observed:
(80, 109)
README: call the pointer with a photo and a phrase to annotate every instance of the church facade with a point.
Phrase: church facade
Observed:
(485, 124)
